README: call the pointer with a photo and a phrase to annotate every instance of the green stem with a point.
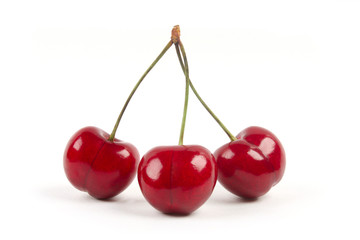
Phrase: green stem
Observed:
(232, 137)
(112, 136)
(186, 71)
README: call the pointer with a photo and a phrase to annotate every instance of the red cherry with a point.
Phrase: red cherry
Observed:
(250, 166)
(98, 166)
(177, 179)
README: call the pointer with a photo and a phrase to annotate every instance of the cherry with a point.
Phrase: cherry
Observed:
(250, 166)
(178, 179)
(97, 162)
(98, 166)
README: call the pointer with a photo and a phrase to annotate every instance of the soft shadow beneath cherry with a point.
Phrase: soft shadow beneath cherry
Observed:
(236, 200)
(247, 200)
(177, 215)
(108, 200)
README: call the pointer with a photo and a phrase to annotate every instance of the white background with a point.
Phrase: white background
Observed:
(289, 66)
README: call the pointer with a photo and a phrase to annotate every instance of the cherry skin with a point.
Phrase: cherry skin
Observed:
(98, 166)
(250, 166)
(177, 179)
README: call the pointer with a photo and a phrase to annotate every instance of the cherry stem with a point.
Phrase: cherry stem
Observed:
(186, 71)
(112, 136)
(232, 137)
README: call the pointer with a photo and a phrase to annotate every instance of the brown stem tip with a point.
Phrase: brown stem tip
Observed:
(175, 34)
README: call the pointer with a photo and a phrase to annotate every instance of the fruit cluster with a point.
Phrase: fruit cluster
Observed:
(174, 179)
